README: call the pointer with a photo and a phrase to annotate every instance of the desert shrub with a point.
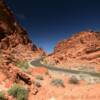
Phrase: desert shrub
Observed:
(47, 73)
(37, 84)
(74, 80)
(57, 82)
(39, 77)
(19, 92)
(45, 61)
(2, 96)
(23, 65)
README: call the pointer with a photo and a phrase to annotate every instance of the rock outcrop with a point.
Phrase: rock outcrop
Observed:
(83, 43)
(14, 45)
(83, 46)
(12, 35)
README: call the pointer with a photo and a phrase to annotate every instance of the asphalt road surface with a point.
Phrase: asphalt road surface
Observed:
(37, 63)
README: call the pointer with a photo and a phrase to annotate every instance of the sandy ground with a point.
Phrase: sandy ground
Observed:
(81, 91)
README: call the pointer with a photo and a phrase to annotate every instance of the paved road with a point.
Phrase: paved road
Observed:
(37, 63)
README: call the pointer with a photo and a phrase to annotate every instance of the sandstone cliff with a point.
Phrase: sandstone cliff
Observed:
(15, 48)
(12, 36)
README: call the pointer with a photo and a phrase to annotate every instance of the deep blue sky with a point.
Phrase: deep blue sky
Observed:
(48, 21)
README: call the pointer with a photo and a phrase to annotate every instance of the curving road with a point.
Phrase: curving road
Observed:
(37, 63)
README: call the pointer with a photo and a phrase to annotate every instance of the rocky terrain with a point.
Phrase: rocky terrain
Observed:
(82, 49)
(13, 38)
(22, 80)
(16, 49)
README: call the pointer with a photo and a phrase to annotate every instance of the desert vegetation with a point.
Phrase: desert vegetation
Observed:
(57, 82)
(22, 64)
(18, 92)
(37, 84)
(39, 77)
(73, 80)
(2, 96)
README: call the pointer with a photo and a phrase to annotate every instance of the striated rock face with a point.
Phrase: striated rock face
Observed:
(12, 35)
(84, 46)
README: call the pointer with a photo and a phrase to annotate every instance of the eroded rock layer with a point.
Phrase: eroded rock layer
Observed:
(11, 33)
(83, 46)
(12, 36)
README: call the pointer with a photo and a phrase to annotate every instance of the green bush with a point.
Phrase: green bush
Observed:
(23, 65)
(74, 80)
(39, 77)
(37, 84)
(2, 97)
(57, 82)
(19, 92)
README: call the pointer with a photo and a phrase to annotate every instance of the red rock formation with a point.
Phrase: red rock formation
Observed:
(11, 33)
(79, 44)
(15, 45)
(84, 46)
(13, 36)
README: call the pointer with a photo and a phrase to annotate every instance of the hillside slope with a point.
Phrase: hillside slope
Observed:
(83, 47)
(13, 38)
